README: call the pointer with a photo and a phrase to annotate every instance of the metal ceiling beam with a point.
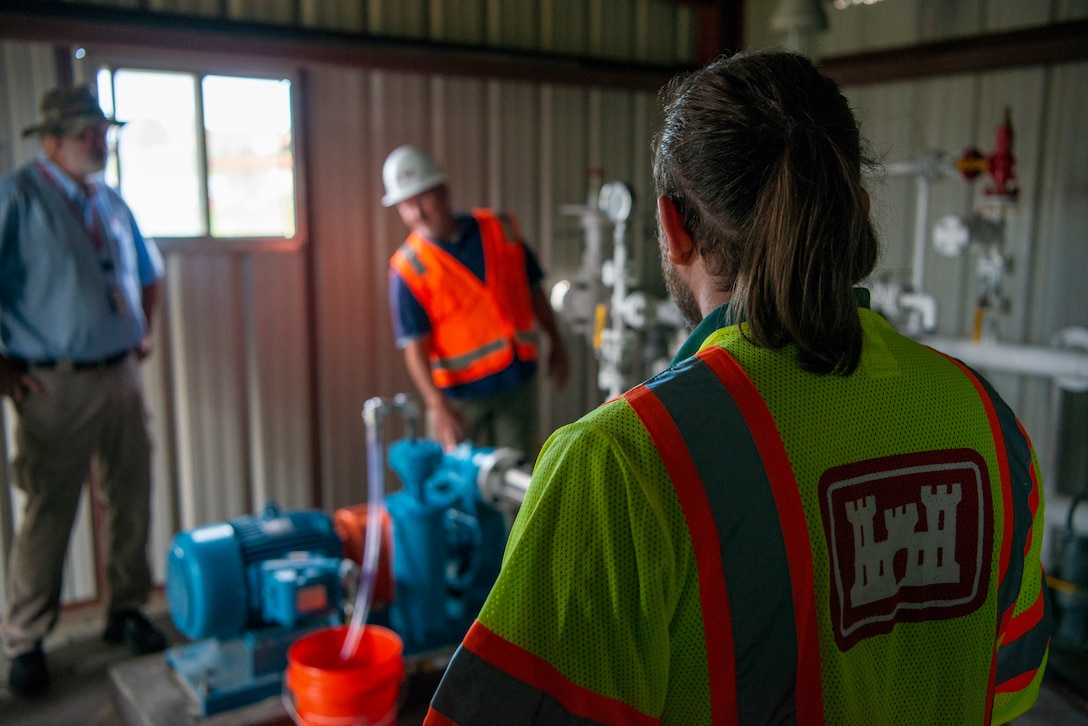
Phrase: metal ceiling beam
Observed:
(59, 23)
(1060, 43)
(720, 31)
(720, 27)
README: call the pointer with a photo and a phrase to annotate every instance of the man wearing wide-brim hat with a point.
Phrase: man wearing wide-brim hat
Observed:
(69, 112)
(78, 285)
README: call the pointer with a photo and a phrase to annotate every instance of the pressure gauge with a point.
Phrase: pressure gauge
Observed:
(951, 235)
(615, 201)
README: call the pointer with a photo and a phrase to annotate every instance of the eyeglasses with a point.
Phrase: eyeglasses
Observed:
(91, 133)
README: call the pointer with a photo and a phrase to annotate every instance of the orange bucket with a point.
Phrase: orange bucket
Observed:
(361, 691)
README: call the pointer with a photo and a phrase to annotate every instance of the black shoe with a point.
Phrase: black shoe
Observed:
(29, 673)
(132, 630)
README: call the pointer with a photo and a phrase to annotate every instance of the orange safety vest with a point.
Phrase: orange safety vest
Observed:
(477, 326)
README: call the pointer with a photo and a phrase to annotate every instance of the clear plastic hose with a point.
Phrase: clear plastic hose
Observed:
(375, 459)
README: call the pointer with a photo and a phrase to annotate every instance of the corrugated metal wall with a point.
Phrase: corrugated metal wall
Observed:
(507, 145)
(907, 120)
(266, 357)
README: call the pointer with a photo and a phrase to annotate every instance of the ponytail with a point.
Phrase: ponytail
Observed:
(763, 156)
(810, 241)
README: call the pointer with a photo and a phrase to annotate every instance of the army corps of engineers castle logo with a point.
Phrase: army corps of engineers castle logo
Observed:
(909, 539)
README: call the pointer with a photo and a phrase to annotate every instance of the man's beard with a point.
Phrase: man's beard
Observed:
(681, 294)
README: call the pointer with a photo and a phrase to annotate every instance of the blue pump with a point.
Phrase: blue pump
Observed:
(448, 542)
(244, 590)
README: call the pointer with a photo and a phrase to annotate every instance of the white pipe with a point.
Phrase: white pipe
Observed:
(499, 479)
(928, 168)
(1023, 359)
(619, 297)
(924, 306)
(515, 485)
(921, 236)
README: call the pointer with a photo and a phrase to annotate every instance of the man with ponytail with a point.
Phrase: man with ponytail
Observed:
(807, 518)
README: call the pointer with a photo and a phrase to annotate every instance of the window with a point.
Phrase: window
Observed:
(203, 156)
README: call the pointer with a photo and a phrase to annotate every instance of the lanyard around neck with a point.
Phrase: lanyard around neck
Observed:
(93, 225)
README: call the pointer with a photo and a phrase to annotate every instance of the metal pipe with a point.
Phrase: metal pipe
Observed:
(1068, 366)
(515, 485)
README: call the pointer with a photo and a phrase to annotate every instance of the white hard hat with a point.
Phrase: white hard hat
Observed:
(408, 172)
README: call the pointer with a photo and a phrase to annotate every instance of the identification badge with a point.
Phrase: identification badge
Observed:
(116, 300)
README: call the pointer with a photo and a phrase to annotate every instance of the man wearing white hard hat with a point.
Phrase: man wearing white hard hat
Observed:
(466, 303)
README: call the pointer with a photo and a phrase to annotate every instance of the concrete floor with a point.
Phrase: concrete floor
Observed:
(81, 692)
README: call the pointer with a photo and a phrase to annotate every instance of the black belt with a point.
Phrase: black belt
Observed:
(72, 365)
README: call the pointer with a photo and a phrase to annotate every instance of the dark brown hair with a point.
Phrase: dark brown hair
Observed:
(762, 156)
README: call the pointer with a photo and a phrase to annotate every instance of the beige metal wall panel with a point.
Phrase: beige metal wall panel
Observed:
(513, 25)
(345, 16)
(161, 404)
(1069, 9)
(458, 137)
(515, 171)
(280, 12)
(564, 27)
(349, 269)
(406, 19)
(885, 112)
(27, 70)
(942, 21)
(278, 380)
(208, 364)
(1059, 260)
(1002, 15)
(205, 8)
(460, 21)
(612, 29)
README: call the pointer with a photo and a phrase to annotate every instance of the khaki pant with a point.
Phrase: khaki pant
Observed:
(82, 414)
(505, 420)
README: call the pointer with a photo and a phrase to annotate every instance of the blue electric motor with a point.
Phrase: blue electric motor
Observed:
(245, 590)
(223, 579)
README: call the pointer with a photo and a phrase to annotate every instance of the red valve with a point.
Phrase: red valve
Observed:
(998, 164)
(1001, 163)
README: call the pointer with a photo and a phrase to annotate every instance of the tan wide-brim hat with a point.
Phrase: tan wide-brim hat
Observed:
(68, 111)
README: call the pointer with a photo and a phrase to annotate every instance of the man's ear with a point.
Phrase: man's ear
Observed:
(679, 244)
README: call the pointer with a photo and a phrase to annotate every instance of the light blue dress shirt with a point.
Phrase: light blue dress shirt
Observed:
(65, 293)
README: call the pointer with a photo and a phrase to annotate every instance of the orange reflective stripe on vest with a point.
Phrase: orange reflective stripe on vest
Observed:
(477, 326)
(695, 427)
